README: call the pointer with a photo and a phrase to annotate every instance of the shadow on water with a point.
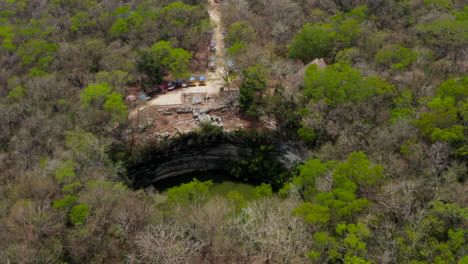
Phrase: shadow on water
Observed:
(223, 182)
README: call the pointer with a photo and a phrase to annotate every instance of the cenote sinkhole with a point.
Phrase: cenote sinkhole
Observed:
(223, 182)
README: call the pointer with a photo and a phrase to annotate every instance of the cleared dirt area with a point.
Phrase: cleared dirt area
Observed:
(176, 97)
(159, 124)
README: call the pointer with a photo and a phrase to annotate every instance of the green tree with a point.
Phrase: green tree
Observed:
(454, 88)
(313, 41)
(119, 28)
(178, 62)
(7, 32)
(17, 93)
(397, 56)
(79, 213)
(240, 33)
(252, 88)
(444, 35)
(118, 79)
(66, 202)
(236, 49)
(171, 59)
(462, 16)
(65, 172)
(181, 22)
(116, 107)
(162, 59)
(81, 22)
(437, 238)
(95, 95)
(179, 13)
(151, 65)
(342, 202)
(126, 22)
(307, 134)
(100, 98)
(71, 188)
(360, 170)
(443, 121)
(194, 192)
(313, 213)
(35, 50)
(339, 83)
(348, 245)
(346, 33)
(305, 181)
(263, 190)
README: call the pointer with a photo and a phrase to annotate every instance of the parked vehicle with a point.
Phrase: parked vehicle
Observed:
(171, 86)
(163, 88)
(192, 81)
(202, 81)
(212, 66)
(178, 83)
(144, 97)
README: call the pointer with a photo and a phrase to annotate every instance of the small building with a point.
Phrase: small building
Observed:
(196, 99)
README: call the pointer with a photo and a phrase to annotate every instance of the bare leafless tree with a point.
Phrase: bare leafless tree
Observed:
(167, 243)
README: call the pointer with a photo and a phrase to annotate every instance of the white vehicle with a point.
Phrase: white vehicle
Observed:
(171, 86)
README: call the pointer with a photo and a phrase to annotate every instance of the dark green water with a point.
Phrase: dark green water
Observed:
(225, 187)
(223, 183)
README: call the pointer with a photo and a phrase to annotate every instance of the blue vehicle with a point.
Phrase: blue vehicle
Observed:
(144, 97)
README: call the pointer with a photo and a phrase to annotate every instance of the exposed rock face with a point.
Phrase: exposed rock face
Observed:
(215, 154)
(186, 157)
(289, 153)
(179, 163)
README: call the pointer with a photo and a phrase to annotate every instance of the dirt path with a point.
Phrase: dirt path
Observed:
(214, 79)
(215, 16)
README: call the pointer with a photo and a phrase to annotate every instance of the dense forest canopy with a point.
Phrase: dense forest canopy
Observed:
(385, 124)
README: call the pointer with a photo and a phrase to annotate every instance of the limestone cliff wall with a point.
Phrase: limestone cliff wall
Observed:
(187, 157)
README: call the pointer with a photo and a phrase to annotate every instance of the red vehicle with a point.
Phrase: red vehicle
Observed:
(163, 88)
